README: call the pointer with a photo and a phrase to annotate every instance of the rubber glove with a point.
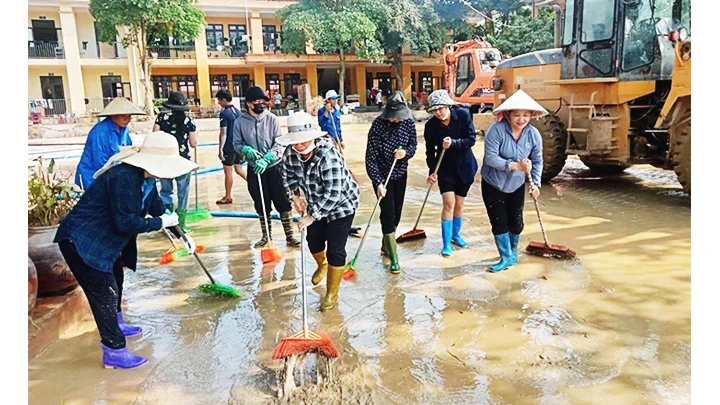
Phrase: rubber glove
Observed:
(260, 166)
(189, 243)
(269, 157)
(251, 153)
(169, 220)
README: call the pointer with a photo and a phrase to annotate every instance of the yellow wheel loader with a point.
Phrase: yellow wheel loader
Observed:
(617, 87)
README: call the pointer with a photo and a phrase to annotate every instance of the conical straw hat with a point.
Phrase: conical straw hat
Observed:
(121, 106)
(521, 101)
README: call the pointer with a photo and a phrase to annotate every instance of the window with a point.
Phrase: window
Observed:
(291, 81)
(162, 86)
(239, 46)
(272, 80)
(639, 35)
(217, 83)
(568, 33)
(241, 83)
(426, 82)
(214, 35)
(269, 37)
(465, 74)
(186, 86)
(598, 18)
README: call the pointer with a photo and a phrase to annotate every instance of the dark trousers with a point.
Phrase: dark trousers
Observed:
(505, 210)
(103, 292)
(273, 190)
(391, 206)
(335, 234)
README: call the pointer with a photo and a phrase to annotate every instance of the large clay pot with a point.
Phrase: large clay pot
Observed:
(54, 276)
(32, 284)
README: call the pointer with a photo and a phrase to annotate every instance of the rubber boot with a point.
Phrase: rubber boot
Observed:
(286, 219)
(322, 263)
(456, 238)
(391, 246)
(447, 228)
(334, 277)
(182, 217)
(127, 330)
(503, 244)
(384, 248)
(264, 240)
(169, 207)
(514, 241)
(120, 358)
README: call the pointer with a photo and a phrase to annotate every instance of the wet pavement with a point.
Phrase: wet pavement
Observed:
(611, 326)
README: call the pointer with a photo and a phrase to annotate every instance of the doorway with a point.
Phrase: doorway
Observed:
(53, 92)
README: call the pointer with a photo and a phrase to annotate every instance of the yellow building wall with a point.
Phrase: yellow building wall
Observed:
(86, 32)
(49, 15)
(225, 21)
(91, 78)
(34, 73)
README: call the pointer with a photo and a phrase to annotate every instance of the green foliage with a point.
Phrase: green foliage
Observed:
(44, 188)
(525, 34)
(147, 20)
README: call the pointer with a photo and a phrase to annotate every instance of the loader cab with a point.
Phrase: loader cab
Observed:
(623, 39)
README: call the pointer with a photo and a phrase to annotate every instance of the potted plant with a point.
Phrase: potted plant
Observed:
(50, 197)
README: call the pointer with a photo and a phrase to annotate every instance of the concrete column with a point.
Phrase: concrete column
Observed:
(76, 88)
(360, 83)
(256, 34)
(259, 76)
(203, 70)
(312, 79)
(407, 83)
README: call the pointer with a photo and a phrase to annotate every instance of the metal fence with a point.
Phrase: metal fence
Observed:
(46, 50)
(172, 51)
(49, 107)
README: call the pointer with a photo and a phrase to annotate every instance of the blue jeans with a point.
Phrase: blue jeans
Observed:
(183, 184)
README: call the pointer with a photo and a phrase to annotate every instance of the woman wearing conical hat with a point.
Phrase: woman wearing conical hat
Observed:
(98, 237)
(513, 149)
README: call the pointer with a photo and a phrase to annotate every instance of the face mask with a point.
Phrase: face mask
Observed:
(446, 115)
(259, 108)
(305, 153)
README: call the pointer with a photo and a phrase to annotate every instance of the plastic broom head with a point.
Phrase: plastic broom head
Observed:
(270, 253)
(299, 344)
(219, 290)
(197, 214)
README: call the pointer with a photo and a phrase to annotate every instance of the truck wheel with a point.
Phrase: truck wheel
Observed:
(554, 138)
(604, 170)
(680, 135)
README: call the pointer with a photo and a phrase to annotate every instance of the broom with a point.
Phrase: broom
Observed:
(197, 214)
(416, 233)
(350, 267)
(547, 248)
(305, 341)
(269, 253)
(176, 252)
(213, 288)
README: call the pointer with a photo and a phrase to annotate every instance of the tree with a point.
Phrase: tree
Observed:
(330, 27)
(526, 34)
(145, 21)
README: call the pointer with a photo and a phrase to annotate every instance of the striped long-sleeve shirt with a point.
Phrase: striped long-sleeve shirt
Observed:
(330, 190)
(384, 138)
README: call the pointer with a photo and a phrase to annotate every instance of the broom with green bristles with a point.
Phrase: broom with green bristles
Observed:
(197, 214)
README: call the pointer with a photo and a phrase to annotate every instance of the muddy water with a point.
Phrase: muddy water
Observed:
(611, 326)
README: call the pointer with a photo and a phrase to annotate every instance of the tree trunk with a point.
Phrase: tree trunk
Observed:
(341, 89)
(147, 84)
(397, 64)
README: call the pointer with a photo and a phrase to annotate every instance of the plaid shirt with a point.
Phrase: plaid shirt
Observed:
(383, 140)
(109, 215)
(325, 181)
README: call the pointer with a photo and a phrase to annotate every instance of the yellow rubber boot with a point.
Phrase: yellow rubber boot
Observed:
(334, 277)
(322, 263)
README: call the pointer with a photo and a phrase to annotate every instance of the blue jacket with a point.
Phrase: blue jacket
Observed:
(459, 160)
(326, 123)
(104, 223)
(103, 141)
(501, 149)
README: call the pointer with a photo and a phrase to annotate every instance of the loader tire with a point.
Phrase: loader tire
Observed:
(680, 136)
(554, 138)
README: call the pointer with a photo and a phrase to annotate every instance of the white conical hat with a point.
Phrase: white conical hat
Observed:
(521, 101)
(121, 106)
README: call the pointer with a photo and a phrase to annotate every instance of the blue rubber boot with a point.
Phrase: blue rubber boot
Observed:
(514, 241)
(121, 358)
(457, 225)
(447, 228)
(127, 330)
(503, 244)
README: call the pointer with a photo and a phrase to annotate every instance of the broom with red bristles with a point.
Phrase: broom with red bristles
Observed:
(305, 341)
(269, 253)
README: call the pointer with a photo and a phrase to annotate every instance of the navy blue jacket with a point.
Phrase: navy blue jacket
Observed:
(459, 161)
(104, 223)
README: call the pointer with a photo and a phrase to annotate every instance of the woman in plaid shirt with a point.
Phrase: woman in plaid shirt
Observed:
(394, 128)
(322, 189)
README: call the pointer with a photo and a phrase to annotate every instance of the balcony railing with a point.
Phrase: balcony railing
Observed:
(172, 51)
(46, 50)
(103, 50)
(48, 107)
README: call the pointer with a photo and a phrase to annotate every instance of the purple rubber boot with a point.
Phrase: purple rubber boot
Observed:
(127, 330)
(121, 358)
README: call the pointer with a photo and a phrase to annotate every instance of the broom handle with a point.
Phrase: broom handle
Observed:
(182, 235)
(262, 198)
(367, 227)
(537, 210)
(437, 167)
(196, 181)
(170, 238)
(302, 272)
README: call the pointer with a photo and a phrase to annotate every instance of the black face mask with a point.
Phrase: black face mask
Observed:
(258, 108)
